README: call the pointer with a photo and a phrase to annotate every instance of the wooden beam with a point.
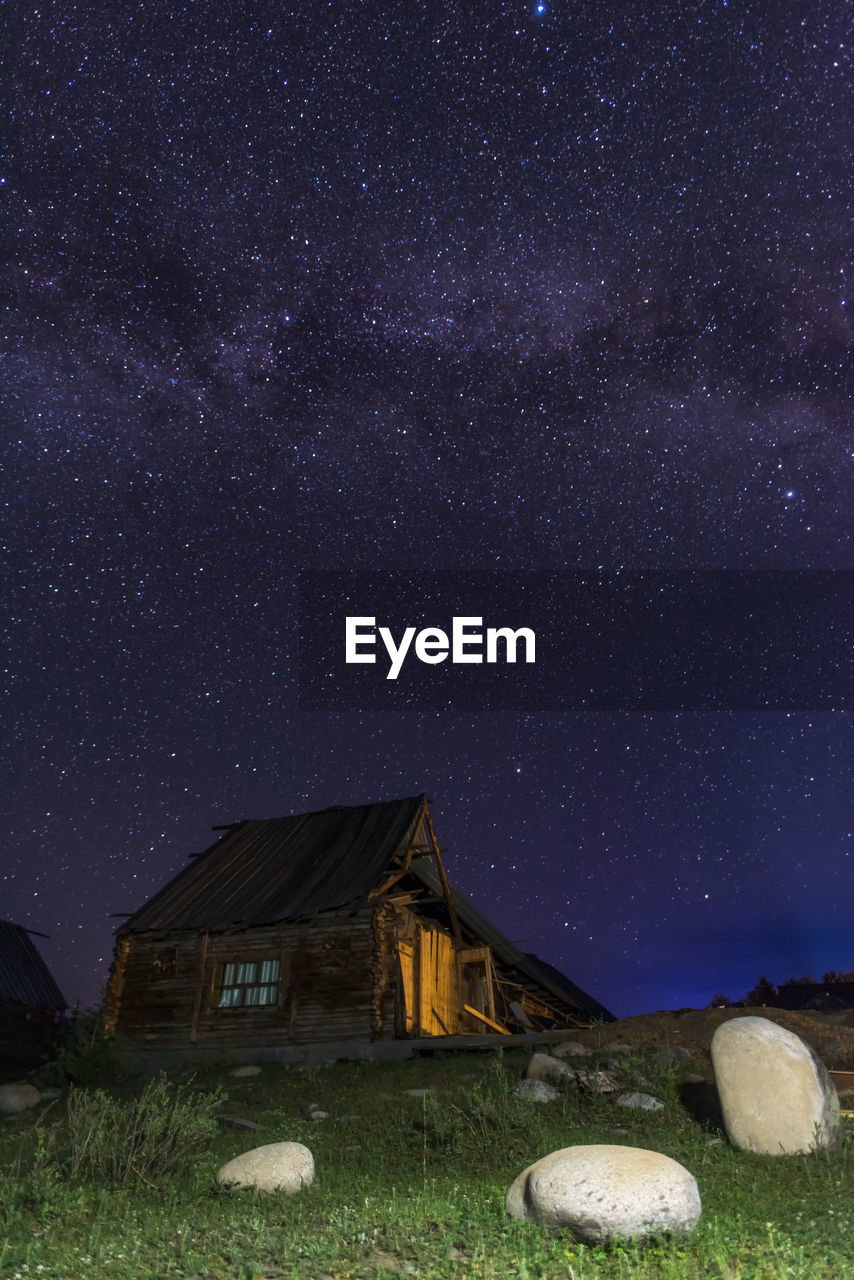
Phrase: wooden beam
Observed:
(200, 982)
(496, 1026)
(446, 888)
(387, 884)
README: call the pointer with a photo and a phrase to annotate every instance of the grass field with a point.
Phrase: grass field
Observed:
(414, 1186)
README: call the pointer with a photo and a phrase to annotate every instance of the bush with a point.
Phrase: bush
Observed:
(87, 1057)
(108, 1139)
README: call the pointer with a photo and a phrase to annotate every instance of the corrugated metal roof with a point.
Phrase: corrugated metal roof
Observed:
(539, 971)
(264, 871)
(24, 976)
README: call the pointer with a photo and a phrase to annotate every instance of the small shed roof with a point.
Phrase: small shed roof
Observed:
(24, 977)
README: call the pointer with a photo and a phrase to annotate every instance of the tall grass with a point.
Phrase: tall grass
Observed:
(110, 1140)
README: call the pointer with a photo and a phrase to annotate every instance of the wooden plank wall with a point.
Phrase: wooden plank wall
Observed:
(326, 991)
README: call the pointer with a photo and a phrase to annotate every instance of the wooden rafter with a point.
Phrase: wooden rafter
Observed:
(446, 888)
(403, 863)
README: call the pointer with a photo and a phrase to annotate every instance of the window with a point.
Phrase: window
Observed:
(251, 982)
(164, 965)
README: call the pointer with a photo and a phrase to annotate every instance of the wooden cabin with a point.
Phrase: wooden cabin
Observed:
(331, 926)
(31, 1004)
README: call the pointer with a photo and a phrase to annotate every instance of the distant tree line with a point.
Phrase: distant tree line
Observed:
(766, 993)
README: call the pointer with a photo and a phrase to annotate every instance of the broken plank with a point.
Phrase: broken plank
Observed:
(496, 1026)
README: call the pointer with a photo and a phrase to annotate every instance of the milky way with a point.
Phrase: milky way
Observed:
(503, 286)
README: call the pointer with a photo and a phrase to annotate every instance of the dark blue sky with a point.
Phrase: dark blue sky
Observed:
(438, 288)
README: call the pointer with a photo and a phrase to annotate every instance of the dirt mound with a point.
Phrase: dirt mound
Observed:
(692, 1030)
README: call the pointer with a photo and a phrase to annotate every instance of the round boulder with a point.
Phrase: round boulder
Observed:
(570, 1049)
(776, 1095)
(536, 1091)
(279, 1166)
(603, 1193)
(18, 1097)
(640, 1101)
(544, 1067)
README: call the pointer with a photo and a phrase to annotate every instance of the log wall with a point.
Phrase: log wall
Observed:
(331, 984)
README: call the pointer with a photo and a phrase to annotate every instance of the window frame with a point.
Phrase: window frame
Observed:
(236, 964)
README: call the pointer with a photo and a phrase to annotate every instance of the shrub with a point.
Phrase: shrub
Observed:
(87, 1057)
(108, 1139)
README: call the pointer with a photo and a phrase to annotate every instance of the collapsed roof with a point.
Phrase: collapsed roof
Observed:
(266, 871)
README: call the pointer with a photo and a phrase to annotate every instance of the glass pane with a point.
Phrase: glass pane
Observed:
(269, 971)
(268, 995)
(228, 975)
(252, 995)
(246, 972)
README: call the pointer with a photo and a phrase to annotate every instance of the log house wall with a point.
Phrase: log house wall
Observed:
(329, 968)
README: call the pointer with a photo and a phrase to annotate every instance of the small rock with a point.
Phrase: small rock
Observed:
(18, 1097)
(603, 1193)
(621, 1048)
(678, 1053)
(571, 1049)
(598, 1081)
(238, 1072)
(776, 1095)
(279, 1166)
(640, 1101)
(544, 1067)
(347, 1119)
(417, 1093)
(536, 1091)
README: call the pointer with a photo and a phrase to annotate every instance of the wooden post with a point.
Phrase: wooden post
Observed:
(446, 888)
(200, 986)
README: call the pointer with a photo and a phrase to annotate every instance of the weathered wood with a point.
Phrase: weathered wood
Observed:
(369, 970)
(446, 888)
(197, 1002)
(237, 1122)
(496, 1026)
(115, 985)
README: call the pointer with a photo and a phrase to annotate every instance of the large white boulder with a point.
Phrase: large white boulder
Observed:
(602, 1193)
(776, 1095)
(278, 1166)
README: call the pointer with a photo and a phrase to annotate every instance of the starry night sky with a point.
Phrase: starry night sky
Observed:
(495, 286)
